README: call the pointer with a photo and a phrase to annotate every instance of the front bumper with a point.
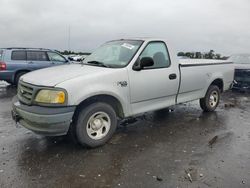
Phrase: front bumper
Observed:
(43, 120)
(7, 75)
(239, 85)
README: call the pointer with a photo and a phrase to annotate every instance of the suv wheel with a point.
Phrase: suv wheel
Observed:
(95, 124)
(17, 77)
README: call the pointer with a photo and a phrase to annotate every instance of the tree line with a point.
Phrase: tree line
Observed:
(192, 55)
(202, 55)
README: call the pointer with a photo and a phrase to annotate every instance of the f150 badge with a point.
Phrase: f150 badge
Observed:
(122, 83)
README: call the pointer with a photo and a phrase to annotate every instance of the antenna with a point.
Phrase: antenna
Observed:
(69, 39)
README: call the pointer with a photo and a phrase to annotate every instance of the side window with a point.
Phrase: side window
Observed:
(18, 55)
(56, 57)
(158, 52)
(36, 56)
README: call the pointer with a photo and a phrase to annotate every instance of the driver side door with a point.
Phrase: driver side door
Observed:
(153, 87)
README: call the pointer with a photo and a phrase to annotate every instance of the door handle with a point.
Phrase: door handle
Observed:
(31, 62)
(172, 76)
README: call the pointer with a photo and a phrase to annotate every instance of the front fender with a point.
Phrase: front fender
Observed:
(78, 95)
(99, 83)
(122, 100)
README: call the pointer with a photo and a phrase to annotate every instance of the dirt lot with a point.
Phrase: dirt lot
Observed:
(182, 148)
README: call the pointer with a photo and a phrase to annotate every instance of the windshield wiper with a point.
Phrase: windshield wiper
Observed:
(98, 63)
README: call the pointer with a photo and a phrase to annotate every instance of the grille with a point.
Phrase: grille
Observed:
(25, 92)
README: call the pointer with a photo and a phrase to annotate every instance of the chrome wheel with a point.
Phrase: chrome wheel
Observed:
(213, 99)
(98, 125)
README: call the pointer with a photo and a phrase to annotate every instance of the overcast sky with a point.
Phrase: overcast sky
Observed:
(192, 25)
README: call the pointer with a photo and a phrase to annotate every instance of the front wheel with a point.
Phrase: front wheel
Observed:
(211, 99)
(95, 124)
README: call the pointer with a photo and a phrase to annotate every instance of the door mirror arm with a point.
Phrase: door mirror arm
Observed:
(137, 66)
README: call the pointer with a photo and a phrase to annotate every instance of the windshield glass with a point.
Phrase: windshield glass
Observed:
(240, 59)
(115, 54)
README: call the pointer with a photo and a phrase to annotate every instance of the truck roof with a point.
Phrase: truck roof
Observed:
(25, 48)
(144, 39)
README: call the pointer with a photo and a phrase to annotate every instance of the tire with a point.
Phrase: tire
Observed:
(211, 100)
(17, 77)
(95, 124)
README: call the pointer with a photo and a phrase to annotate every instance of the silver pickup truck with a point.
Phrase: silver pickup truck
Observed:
(122, 78)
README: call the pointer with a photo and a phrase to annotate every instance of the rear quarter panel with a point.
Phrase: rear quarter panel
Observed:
(13, 65)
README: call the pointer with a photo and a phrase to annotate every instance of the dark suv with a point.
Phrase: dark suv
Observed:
(15, 62)
(242, 71)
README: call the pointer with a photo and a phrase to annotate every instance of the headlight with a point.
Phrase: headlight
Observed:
(50, 96)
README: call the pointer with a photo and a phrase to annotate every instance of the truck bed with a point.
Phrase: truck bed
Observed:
(197, 74)
(200, 62)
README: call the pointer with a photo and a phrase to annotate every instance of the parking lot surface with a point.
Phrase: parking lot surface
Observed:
(182, 147)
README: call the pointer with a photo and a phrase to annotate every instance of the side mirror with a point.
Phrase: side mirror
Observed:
(147, 62)
(144, 62)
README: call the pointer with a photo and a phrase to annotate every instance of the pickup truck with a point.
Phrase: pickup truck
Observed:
(121, 79)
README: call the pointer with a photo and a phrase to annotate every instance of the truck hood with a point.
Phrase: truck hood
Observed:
(55, 75)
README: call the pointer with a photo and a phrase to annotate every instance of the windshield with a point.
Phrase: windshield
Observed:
(115, 54)
(240, 59)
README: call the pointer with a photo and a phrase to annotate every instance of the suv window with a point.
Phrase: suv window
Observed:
(56, 57)
(36, 56)
(18, 55)
(157, 51)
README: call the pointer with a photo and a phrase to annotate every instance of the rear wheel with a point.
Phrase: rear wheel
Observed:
(17, 77)
(95, 124)
(211, 99)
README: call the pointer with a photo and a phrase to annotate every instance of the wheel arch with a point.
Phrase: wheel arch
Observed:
(218, 82)
(109, 99)
(17, 72)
